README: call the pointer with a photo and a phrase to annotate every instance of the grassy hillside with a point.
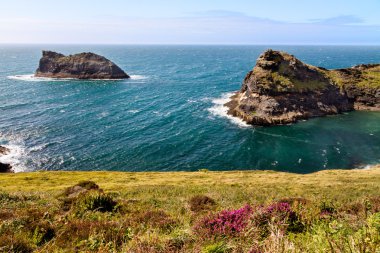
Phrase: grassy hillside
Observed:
(250, 211)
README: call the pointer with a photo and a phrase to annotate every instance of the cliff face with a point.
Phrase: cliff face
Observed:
(281, 89)
(362, 85)
(80, 66)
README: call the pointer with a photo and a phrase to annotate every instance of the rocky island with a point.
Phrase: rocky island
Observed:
(78, 66)
(281, 89)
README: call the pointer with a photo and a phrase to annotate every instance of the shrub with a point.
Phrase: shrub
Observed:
(294, 201)
(200, 203)
(6, 197)
(374, 204)
(94, 234)
(14, 244)
(225, 223)
(81, 187)
(95, 201)
(327, 208)
(280, 214)
(88, 185)
(6, 214)
(42, 234)
(220, 247)
(179, 238)
(156, 219)
(355, 208)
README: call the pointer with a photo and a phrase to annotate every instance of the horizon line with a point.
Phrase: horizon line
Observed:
(190, 44)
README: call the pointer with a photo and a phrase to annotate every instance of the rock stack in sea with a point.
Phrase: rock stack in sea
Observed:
(78, 66)
(5, 167)
(281, 89)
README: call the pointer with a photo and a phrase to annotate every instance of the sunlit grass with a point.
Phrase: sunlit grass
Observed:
(157, 211)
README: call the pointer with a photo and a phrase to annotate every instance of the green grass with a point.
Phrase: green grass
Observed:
(370, 78)
(157, 212)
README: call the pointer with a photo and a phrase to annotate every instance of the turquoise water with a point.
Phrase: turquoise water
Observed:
(169, 116)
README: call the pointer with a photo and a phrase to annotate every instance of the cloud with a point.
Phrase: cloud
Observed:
(339, 20)
(217, 13)
(213, 27)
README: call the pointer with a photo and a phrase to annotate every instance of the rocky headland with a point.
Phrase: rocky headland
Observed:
(281, 90)
(5, 167)
(79, 66)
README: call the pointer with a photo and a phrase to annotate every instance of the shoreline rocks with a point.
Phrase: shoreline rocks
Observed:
(4, 150)
(78, 66)
(5, 167)
(281, 90)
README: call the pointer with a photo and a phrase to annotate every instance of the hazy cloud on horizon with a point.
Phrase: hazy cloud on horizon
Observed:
(199, 25)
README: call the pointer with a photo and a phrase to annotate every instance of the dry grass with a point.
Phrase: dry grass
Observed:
(155, 211)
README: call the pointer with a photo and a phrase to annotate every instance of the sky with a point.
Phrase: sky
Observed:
(293, 22)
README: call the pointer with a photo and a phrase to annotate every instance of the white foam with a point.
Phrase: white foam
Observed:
(19, 154)
(219, 110)
(133, 111)
(33, 78)
(138, 77)
(14, 157)
(368, 167)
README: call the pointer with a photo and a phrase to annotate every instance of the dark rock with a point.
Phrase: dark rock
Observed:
(4, 150)
(5, 168)
(281, 89)
(362, 85)
(79, 66)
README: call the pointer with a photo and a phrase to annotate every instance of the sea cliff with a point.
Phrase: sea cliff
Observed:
(79, 66)
(281, 89)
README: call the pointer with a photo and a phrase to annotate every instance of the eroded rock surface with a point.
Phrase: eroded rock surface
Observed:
(281, 89)
(79, 66)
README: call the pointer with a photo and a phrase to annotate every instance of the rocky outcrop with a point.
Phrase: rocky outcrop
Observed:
(5, 167)
(281, 89)
(79, 66)
(362, 85)
(4, 150)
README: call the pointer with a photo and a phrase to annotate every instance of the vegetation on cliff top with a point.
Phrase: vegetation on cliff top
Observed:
(242, 211)
(364, 77)
(281, 72)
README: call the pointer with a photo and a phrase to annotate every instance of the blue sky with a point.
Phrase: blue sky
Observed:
(190, 22)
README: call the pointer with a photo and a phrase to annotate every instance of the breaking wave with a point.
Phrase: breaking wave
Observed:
(220, 110)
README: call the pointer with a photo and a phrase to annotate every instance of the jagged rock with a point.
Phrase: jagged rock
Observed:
(281, 89)
(5, 168)
(80, 66)
(362, 85)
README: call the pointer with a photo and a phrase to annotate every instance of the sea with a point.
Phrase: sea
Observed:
(170, 116)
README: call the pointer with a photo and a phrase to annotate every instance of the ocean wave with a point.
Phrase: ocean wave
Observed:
(138, 77)
(32, 78)
(133, 111)
(20, 155)
(219, 110)
(14, 157)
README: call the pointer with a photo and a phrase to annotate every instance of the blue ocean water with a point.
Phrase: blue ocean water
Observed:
(170, 115)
